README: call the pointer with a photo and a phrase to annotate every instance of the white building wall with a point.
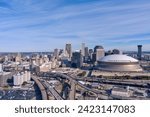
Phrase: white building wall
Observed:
(28, 76)
(1, 68)
(21, 78)
(25, 76)
(99, 54)
(16, 80)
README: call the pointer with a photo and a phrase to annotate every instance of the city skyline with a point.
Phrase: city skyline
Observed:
(36, 25)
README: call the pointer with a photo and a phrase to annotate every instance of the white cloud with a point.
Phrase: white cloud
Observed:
(94, 22)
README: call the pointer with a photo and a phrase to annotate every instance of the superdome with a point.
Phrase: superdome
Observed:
(119, 63)
(118, 58)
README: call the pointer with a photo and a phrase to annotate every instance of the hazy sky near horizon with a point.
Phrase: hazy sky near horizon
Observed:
(42, 25)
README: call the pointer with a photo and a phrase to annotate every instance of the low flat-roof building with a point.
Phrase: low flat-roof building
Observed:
(120, 91)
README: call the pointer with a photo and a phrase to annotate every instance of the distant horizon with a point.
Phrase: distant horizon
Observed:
(53, 51)
(43, 25)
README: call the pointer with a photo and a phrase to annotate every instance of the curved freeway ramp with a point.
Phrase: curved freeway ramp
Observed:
(41, 87)
(52, 91)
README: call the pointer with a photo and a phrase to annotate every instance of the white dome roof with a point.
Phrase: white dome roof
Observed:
(118, 58)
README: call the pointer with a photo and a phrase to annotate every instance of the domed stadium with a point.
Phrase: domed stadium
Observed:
(121, 63)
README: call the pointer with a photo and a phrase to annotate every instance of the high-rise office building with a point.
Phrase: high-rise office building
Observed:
(86, 57)
(139, 55)
(98, 53)
(56, 53)
(83, 49)
(93, 57)
(68, 50)
(86, 52)
(98, 47)
(77, 60)
(90, 53)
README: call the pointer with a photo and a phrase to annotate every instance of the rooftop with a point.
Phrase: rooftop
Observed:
(118, 58)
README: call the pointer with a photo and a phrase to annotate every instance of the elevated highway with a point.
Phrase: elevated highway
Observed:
(74, 81)
(41, 87)
(133, 83)
(52, 91)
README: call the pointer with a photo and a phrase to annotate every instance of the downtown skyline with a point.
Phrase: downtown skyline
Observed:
(42, 25)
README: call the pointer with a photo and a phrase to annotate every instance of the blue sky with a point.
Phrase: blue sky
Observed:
(42, 25)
